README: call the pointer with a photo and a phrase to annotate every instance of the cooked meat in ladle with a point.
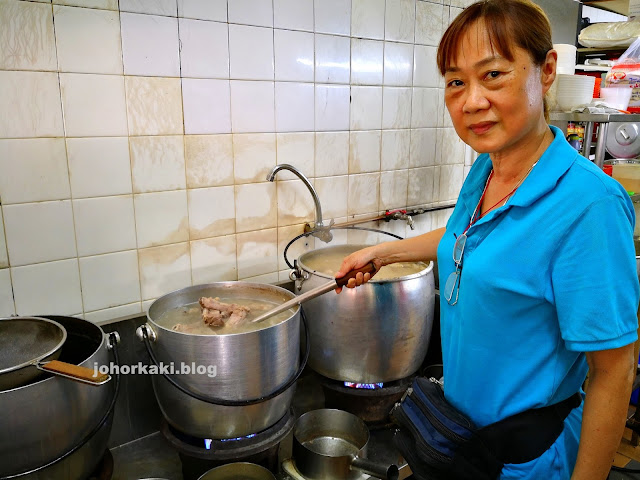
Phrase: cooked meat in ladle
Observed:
(218, 314)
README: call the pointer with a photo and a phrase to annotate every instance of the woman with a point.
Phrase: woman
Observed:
(541, 285)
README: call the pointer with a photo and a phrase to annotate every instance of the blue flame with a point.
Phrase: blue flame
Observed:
(366, 386)
(209, 441)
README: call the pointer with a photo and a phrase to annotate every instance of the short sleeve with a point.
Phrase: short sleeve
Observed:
(594, 280)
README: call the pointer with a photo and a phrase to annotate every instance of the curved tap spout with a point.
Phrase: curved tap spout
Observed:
(322, 229)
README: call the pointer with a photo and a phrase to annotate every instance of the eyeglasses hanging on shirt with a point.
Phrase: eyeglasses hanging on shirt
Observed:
(452, 287)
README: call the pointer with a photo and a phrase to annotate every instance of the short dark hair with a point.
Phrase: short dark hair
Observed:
(508, 22)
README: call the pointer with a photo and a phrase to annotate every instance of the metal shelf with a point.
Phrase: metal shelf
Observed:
(594, 117)
(604, 119)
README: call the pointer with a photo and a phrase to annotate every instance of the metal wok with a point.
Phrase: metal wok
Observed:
(30, 346)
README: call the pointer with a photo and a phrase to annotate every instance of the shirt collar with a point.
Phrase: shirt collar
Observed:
(552, 165)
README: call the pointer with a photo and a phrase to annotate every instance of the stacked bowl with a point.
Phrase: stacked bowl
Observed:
(574, 90)
(566, 58)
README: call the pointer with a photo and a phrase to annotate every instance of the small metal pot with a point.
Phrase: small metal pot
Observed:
(330, 444)
(237, 471)
(378, 332)
(249, 365)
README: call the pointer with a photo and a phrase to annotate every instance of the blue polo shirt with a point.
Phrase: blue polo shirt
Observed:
(545, 278)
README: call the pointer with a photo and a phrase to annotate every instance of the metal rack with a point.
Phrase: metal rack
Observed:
(604, 119)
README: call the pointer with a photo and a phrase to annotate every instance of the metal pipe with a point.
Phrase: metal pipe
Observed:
(387, 472)
(586, 143)
(386, 218)
(316, 200)
(600, 145)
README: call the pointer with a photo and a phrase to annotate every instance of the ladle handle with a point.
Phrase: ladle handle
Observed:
(75, 372)
(387, 472)
(368, 268)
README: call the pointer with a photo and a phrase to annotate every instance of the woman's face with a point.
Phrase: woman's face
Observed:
(495, 103)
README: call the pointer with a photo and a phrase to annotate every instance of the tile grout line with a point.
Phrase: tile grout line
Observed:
(129, 150)
(233, 147)
(66, 151)
(184, 150)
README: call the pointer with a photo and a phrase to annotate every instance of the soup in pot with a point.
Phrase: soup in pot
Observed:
(329, 263)
(188, 318)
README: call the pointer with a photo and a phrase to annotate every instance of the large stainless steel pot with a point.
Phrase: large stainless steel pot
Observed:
(41, 421)
(248, 365)
(378, 332)
(81, 463)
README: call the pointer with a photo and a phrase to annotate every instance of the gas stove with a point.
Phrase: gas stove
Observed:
(201, 455)
(172, 455)
(372, 402)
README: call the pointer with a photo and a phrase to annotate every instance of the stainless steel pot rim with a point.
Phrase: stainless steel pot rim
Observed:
(616, 161)
(53, 378)
(325, 418)
(229, 285)
(421, 273)
(253, 468)
(43, 355)
(374, 281)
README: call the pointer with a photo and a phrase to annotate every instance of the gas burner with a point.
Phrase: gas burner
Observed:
(104, 469)
(199, 455)
(370, 404)
(364, 386)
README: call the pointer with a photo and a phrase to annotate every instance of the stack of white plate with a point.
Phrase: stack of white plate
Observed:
(566, 58)
(574, 90)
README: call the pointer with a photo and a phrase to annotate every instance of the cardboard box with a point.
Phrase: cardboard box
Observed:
(634, 8)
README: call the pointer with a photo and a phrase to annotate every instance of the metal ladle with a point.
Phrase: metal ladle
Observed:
(327, 287)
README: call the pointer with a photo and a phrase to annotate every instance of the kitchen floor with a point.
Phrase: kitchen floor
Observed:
(628, 456)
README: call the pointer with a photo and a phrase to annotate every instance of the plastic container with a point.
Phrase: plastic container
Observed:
(616, 97)
(596, 88)
(627, 172)
(635, 199)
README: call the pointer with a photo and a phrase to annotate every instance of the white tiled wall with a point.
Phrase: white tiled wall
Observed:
(136, 136)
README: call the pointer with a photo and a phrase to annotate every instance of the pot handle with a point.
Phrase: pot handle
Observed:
(374, 469)
(145, 330)
(74, 372)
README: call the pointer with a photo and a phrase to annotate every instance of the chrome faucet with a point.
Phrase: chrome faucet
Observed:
(320, 230)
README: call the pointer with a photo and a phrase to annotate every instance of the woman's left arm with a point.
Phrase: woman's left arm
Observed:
(611, 374)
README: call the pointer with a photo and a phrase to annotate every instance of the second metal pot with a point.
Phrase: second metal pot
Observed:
(378, 332)
(248, 365)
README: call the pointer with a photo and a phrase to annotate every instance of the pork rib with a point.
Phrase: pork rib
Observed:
(218, 314)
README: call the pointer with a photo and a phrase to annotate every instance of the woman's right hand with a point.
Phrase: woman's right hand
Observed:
(358, 260)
